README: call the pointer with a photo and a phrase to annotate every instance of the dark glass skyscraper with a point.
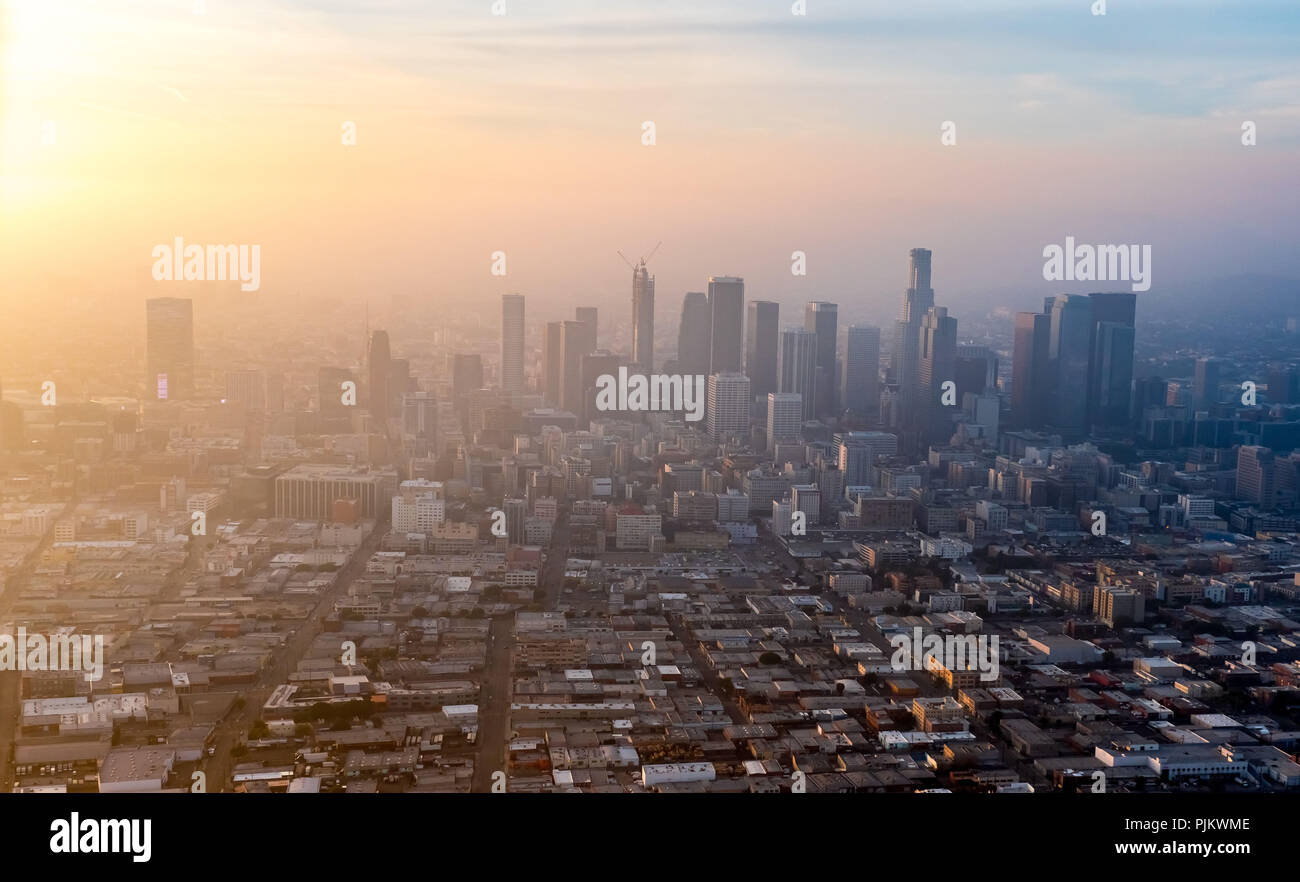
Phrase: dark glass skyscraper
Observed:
(694, 334)
(1070, 357)
(860, 377)
(797, 370)
(727, 317)
(821, 318)
(1030, 370)
(761, 317)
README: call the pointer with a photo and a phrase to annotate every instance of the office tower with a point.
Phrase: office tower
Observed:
(727, 324)
(420, 414)
(169, 341)
(1110, 370)
(246, 389)
(575, 342)
(904, 363)
(936, 357)
(516, 514)
(379, 365)
(588, 314)
(335, 415)
(1030, 370)
(761, 334)
(784, 418)
(797, 367)
(1148, 392)
(1206, 386)
(728, 410)
(1112, 374)
(860, 371)
(1070, 357)
(821, 318)
(399, 383)
(1257, 476)
(643, 318)
(975, 370)
(693, 335)
(592, 365)
(807, 498)
(552, 364)
(466, 373)
(1283, 384)
(512, 342)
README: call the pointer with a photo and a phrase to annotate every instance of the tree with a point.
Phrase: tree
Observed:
(769, 658)
(259, 730)
(239, 750)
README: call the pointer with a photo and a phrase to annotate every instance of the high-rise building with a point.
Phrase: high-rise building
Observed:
(860, 374)
(169, 341)
(728, 406)
(693, 335)
(821, 318)
(1070, 356)
(592, 366)
(420, 414)
(552, 364)
(1112, 374)
(975, 370)
(575, 342)
(643, 318)
(246, 389)
(784, 418)
(904, 362)
(466, 373)
(936, 357)
(512, 342)
(1206, 384)
(399, 383)
(797, 367)
(761, 357)
(1110, 371)
(1031, 381)
(380, 372)
(727, 324)
(588, 314)
(1257, 476)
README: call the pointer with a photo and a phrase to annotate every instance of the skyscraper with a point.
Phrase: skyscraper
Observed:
(904, 363)
(466, 373)
(784, 417)
(693, 334)
(860, 378)
(728, 411)
(727, 318)
(1110, 371)
(821, 318)
(588, 314)
(1206, 385)
(1257, 476)
(552, 364)
(575, 342)
(761, 357)
(643, 317)
(335, 415)
(797, 367)
(512, 342)
(380, 372)
(1031, 382)
(1070, 358)
(169, 342)
(936, 355)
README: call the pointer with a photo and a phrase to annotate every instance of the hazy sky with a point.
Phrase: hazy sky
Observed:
(523, 133)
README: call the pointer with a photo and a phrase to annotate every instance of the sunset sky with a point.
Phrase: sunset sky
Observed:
(522, 133)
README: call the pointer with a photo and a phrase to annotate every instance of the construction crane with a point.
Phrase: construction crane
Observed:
(644, 259)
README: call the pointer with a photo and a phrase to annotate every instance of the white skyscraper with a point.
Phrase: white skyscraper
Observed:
(728, 412)
(784, 417)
